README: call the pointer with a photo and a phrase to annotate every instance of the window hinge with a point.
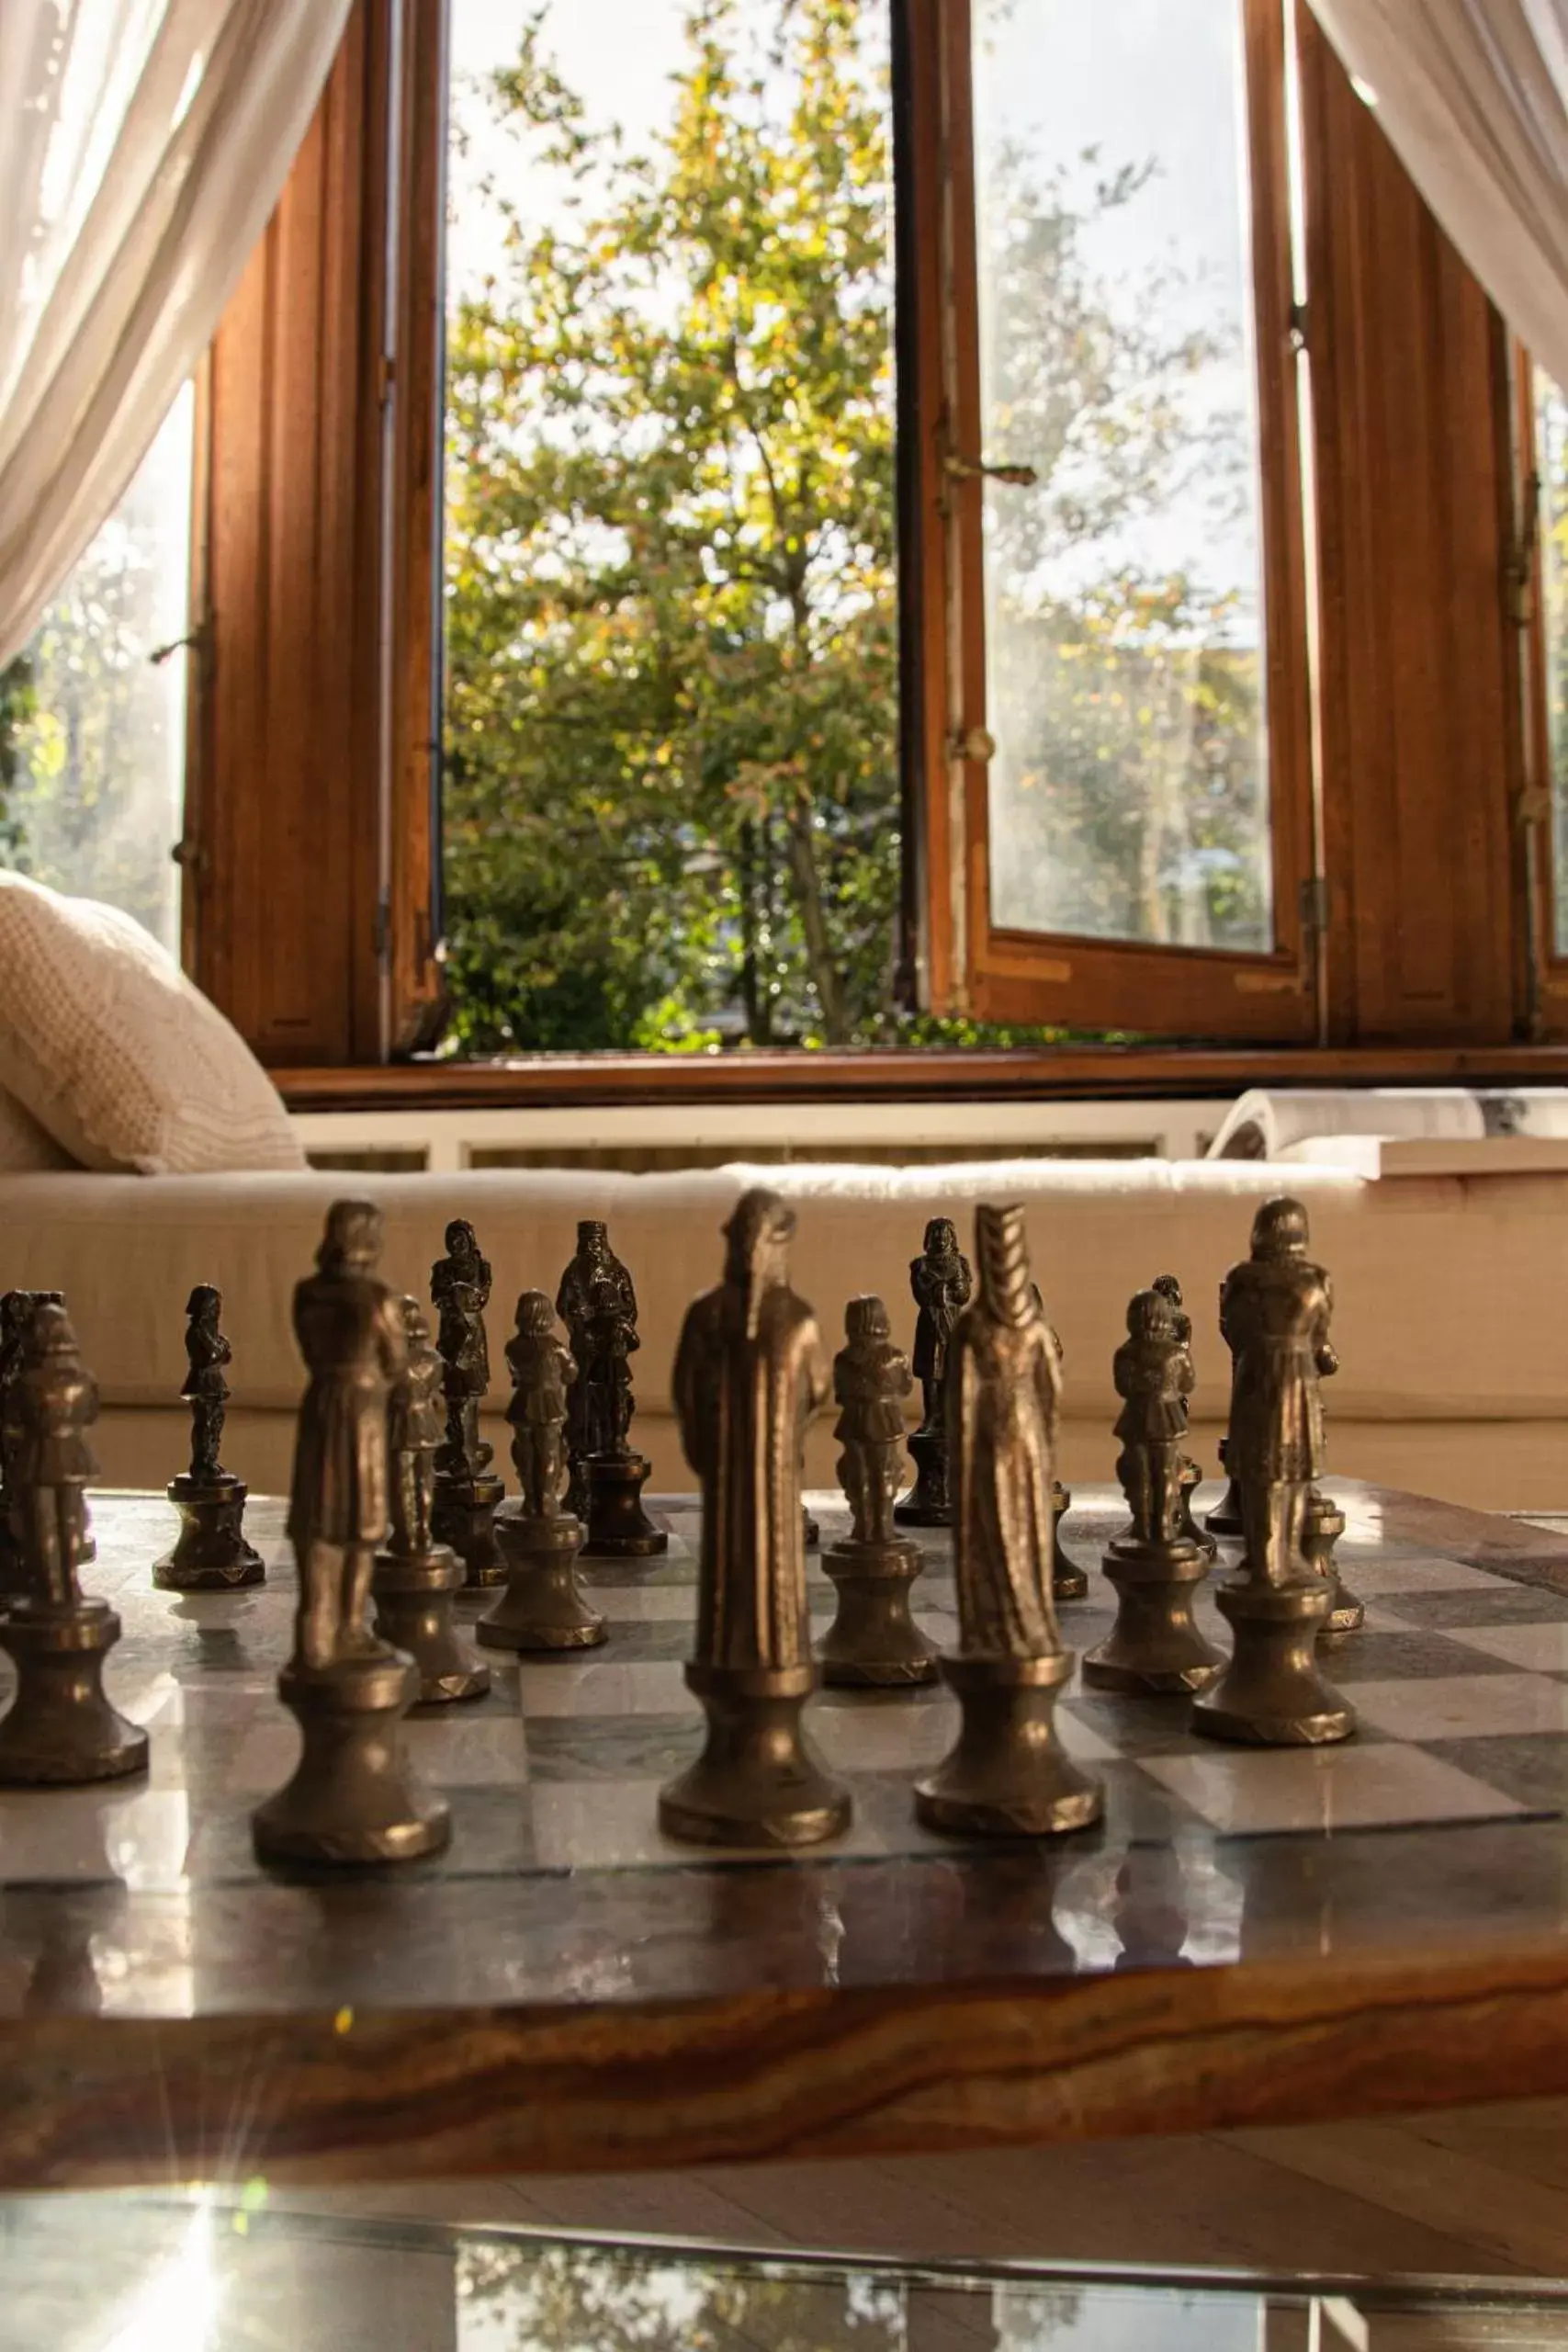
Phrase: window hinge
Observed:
(1520, 569)
(976, 470)
(1297, 323)
(1313, 903)
(384, 932)
(974, 743)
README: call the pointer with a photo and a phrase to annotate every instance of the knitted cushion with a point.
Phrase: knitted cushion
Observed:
(108, 1047)
(23, 1143)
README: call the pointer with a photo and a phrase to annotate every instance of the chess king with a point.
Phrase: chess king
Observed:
(749, 1373)
(1006, 1775)
(350, 1799)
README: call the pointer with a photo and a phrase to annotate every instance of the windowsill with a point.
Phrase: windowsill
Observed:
(903, 1075)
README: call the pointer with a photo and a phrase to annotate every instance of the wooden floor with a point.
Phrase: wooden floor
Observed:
(1476, 2190)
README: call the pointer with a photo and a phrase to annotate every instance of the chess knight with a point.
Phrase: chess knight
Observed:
(941, 1282)
(749, 1373)
(1006, 1775)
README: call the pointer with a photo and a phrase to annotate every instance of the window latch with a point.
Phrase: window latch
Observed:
(976, 469)
(976, 743)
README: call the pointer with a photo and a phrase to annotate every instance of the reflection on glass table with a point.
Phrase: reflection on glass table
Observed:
(120, 2274)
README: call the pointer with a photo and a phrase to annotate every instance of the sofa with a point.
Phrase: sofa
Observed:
(1451, 1316)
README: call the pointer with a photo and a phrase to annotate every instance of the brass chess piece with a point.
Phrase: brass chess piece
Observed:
(872, 1638)
(544, 1607)
(1153, 1646)
(1191, 1477)
(1068, 1581)
(749, 1374)
(1275, 1308)
(1322, 1526)
(60, 1728)
(351, 1798)
(598, 1305)
(17, 1309)
(1006, 1775)
(210, 1553)
(941, 1281)
(467, 1489)
(415, 1577)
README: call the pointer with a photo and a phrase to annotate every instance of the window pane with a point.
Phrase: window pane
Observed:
(1123, 605)
(95, 804)
(671, 799)
(1552, 460)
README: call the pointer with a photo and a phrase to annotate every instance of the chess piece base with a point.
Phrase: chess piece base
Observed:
(1006, 1775)
(756, 1782)
(352, 1800)
(1154, 1647)
(1068, 1581)
(1186, 1525)
(927, 1503)
(872, 1641)
(463, 1516)
(60, 1730)
(544, 1607)
(1323, 1527)
(412, 1602)
(618, 1527)
(1225, 1516)
(1272, 1694)
(210, 1553)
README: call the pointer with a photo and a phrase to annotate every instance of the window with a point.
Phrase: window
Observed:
(94, 802)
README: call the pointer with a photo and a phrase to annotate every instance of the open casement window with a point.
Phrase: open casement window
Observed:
(1115, 759)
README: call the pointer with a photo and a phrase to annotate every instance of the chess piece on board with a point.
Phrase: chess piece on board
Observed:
(598, 1305)
(467, 1490)
(749, 1374)
(351, 1798)
(414, 1577)
(1068, 1581)
(1274, 1311)
(1006, 1775)
(1225, 1516)
(1156, 1569)
(872, 1638)
(1191, 1476)
(210, 1553)
(941, 1281)
(1322, 1528)
(60, 1727)
(17, 1309)
(543, 1607)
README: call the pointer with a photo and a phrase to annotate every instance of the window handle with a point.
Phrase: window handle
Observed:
(976, 469)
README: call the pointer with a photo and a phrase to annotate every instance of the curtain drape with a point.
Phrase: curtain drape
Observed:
(1473, 95)
(144, 145)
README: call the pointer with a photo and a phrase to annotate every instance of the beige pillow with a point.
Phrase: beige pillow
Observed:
(24, 1145)
(108, 1044)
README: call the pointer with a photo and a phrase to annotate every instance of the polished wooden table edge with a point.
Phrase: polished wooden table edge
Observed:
(772, 2075)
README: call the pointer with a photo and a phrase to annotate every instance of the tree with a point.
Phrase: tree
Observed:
(672, 759)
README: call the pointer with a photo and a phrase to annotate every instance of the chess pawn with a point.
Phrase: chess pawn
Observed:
(543, 1607)
(749, 1374)
(1068, 1581)
(60, 1728)
(467, 1490)
(351, 1798)
(941, 1281)
(1275, 1308)
(210, 1553)
(1191, 1476)
(1153, 1646)
(414, 1577)
(598, 1305)
(1006, 1775)
(1322, 1526)
(872, 1638)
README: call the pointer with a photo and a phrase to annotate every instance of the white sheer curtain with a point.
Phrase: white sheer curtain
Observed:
(1474, 95)
(142, 146)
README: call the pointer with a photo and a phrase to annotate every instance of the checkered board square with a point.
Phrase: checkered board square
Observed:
(1459, 1680)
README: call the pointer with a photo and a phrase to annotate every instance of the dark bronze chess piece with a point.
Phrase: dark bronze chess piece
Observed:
(1155, 1568)
(467, 1489)
(1225, 1516)
(351, 1798)
(598, 1305)
(1322, 1526)
(872, 1638)
(60, 1727)
(542, 1608)
(1191, 1476)
(210, 1553)
(1006, 1775)
(1068, 1581)
(941, 1283)
(415, 1577)
(749, 1374)
(1274, 1311)
(17, 1309)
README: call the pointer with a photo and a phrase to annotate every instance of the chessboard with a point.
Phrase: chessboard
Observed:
(1434, 1836)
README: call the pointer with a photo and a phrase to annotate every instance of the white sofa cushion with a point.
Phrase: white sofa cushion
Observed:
(109, 1045)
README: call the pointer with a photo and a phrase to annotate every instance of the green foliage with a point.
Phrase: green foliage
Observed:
(671, 800)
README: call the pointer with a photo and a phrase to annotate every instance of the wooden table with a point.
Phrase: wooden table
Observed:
(1247, 1937)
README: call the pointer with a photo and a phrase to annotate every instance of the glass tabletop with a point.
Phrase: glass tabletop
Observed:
(196, 2274)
